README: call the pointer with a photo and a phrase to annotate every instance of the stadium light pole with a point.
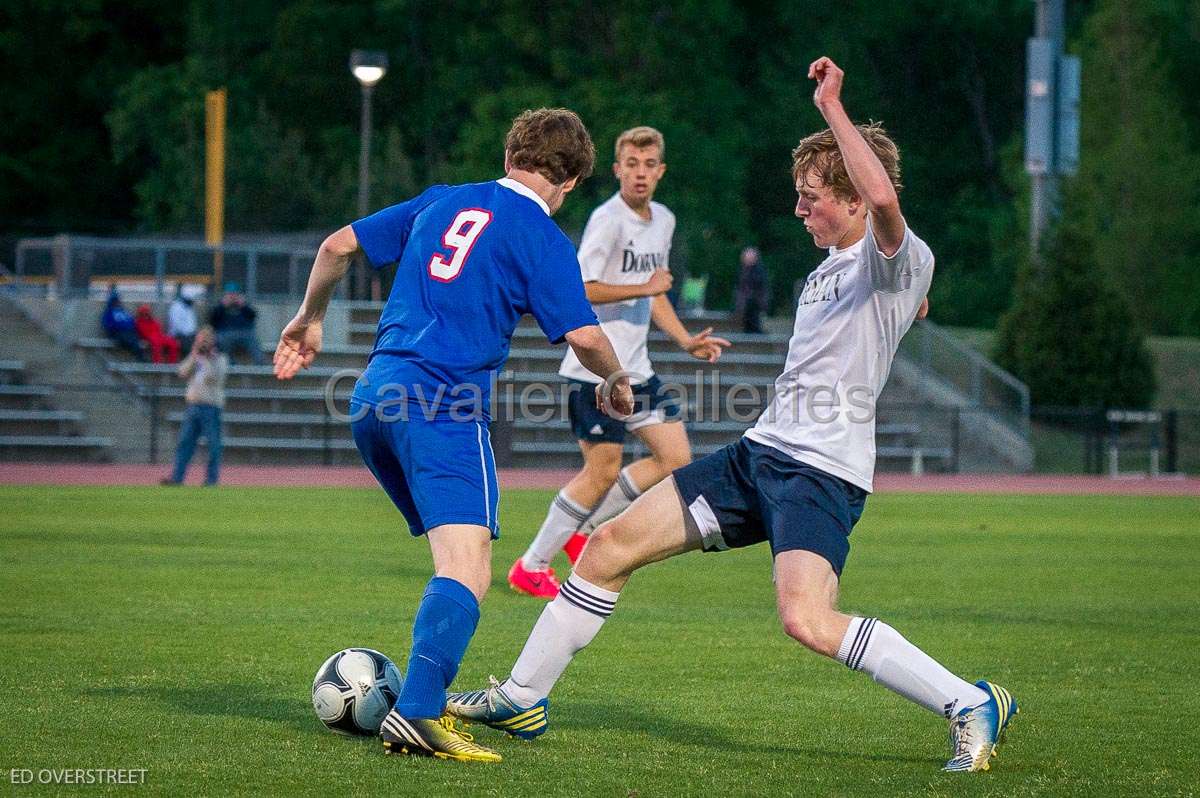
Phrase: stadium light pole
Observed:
(369, 67)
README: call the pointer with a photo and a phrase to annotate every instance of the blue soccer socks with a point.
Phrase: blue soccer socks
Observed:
(445, 622)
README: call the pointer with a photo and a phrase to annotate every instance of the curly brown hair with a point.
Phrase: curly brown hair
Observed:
(552, 142)
(819, 153)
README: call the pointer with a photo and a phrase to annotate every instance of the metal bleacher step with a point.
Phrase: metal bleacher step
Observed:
(265, 419)
(40, 415)
(56, 441)
(23, 396)
(298, 444)
(40, 391)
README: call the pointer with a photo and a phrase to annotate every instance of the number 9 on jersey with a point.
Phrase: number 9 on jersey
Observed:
(459, 238)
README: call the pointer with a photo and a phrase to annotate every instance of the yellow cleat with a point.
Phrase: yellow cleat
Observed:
(439, 738)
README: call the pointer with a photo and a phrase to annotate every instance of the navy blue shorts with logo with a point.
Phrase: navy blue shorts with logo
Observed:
(749, 492)
(652, 405)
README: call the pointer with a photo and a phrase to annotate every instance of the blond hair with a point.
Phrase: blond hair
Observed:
(552, 142)
(640, 136)
(820, 154)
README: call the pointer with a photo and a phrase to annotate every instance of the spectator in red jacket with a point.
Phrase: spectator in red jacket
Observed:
(163, 348)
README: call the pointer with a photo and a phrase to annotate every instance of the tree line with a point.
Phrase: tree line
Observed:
(106, 131)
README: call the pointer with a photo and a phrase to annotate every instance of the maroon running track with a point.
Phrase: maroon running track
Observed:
(357, 477)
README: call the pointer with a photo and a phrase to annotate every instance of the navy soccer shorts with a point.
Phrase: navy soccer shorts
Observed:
(435, 472)
(652, 405)
(749, 492)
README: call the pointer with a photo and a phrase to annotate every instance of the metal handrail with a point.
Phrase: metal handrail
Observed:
(979, 365)
(71, 245)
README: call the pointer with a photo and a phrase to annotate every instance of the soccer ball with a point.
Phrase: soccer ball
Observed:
(354, 690)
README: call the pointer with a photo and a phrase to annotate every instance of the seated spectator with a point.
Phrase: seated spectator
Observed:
(119, 326)
(233, 319)
(181, 319)
(163, 348)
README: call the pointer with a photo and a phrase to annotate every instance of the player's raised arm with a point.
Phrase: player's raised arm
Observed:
(867, 174)
(301, 338)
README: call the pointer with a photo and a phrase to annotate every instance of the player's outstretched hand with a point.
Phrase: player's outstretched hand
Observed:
(705, 346)
(298, 345)
(923, 311)
(828, 76)
(659, 282)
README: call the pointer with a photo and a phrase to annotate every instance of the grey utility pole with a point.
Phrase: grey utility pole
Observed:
(1051, 116)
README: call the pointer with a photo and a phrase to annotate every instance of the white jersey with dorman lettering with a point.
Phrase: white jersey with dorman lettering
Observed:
(851, 315)
(621, 248)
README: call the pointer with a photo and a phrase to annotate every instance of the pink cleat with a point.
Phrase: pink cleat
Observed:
(539, 584)
(574, 547)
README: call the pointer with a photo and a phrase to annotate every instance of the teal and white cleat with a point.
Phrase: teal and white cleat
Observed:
(976, 732)
(494, 708)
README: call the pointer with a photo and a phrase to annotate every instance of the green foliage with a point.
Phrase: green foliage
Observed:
(60, 66)
(1071, 334)
(725, 81)
(1139, 175)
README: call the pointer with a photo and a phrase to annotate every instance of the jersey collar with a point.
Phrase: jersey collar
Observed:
(630, 212)
(524, 191)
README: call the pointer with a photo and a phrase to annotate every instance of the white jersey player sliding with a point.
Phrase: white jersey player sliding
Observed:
(624, 257)
(800, 477)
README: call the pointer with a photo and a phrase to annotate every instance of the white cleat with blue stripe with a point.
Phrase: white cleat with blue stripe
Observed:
(494, 708)
(976, 732)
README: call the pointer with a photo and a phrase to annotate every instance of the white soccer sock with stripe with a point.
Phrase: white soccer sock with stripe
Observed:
(566, 625)
(619, 496)
(871, 645)
(564, 517)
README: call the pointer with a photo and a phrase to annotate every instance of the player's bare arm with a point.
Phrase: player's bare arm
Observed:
(595, 352)
(702, 346)
(300, 340)
(866, 173)
(599, 293)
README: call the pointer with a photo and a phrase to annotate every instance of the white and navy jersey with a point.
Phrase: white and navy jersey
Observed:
(851, 315)
(621, 248)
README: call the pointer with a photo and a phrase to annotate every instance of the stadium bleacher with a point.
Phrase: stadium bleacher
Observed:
(32, 429)
(271, 422)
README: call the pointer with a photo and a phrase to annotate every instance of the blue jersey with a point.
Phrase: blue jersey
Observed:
(471, 260)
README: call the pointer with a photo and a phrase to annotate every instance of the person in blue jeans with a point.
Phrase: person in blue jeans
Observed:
(205, 369)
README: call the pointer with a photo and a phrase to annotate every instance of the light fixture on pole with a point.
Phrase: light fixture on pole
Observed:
(369, 67)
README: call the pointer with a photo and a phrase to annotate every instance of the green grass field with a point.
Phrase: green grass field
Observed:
(178, 630)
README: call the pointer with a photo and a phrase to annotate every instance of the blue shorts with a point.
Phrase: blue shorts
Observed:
(652, 405)
(435, 472)
(749, 492)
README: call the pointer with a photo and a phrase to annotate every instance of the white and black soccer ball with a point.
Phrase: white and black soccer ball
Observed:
(354, 690)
